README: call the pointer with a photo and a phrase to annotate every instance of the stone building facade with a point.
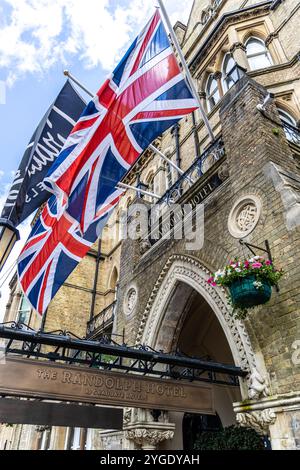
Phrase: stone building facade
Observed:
(244, 58)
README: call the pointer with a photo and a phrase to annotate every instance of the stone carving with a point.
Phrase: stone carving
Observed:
(147, 428)
(130, 301)
(271, 37)
(148, 438)
(191, 271)
(258, 387)
(244, 216)
(237, 45)
(258, 420)
(223, 172)
(145, 246)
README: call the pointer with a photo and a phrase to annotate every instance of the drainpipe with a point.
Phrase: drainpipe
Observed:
(175, 132)
(196, 136)
(92, 313)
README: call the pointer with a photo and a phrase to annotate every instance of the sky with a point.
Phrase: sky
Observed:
(41, 38)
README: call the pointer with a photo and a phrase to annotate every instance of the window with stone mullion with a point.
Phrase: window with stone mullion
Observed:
(212, 92)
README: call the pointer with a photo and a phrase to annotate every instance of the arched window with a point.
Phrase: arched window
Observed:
(114, 279)
(150, 183)
(289, 125)
(229, 72)
(212, 92)
(257, 54)
(286, 118)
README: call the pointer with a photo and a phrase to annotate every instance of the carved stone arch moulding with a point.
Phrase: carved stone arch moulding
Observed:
(190, 271)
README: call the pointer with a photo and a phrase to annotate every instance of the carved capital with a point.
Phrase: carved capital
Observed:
(149, 438)
(223, 172)
(258, 420)
(237, 45)
(270, 38)
(145, 245)
(147, 428)
(218, 75)
(202, 95)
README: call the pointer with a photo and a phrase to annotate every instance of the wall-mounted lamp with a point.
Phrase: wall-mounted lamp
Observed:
(9, 235)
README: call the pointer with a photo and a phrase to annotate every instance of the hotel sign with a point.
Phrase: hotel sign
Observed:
(41, 379)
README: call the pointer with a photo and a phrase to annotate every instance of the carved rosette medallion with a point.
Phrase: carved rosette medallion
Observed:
(244, 216)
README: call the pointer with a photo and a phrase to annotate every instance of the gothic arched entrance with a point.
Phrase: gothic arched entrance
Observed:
(184, 313)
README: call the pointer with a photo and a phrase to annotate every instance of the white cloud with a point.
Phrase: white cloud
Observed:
(36, 34)
(1, 174)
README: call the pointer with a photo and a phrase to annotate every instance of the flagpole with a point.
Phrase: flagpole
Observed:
(186, 67)
(152, 147)
(138, 190)
(71, 77)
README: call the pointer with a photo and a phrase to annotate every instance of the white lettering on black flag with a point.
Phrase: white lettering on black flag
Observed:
(27, 192)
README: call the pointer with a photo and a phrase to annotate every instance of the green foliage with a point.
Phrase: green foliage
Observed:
(231, 438)
(276, 131)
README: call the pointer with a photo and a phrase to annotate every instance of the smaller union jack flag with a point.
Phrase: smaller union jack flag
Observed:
(146, 95)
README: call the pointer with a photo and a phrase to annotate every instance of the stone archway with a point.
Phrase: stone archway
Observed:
(190, 272)
(183, 279)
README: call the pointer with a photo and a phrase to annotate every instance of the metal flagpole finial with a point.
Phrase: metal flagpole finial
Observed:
(66, 73)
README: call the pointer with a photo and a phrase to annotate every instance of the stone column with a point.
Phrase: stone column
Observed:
(146, 429)
(218, 77)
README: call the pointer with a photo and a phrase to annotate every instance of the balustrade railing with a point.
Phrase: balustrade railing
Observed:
(101, 321)
(200, 170)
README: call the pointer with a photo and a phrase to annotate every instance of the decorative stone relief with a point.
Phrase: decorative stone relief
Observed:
(258, 387)
(148, 429)
(244, 216)
(259, 420)
(130, 301)
(148, 439)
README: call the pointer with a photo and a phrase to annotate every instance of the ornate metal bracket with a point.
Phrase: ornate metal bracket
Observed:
(265, 249)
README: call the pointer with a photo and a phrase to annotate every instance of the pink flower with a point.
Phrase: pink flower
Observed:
(268, 263)
(256, 265)
(247, 264)
(210, 280)
(214, 284)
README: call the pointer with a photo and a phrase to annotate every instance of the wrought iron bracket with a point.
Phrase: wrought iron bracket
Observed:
(266, 249)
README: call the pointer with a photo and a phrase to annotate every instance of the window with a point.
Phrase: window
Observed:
(230, 74)
(257, 54)
(171, 175)
(150, 185)
(290, 126)
(286, 118)
(212, 92)
(24, 311)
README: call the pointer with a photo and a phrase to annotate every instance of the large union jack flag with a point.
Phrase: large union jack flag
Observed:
(145, 95)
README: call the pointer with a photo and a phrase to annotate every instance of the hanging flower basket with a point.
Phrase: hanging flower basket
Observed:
(249, 282)
(245, 293)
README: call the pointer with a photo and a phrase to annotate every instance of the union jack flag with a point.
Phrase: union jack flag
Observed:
(146, 95)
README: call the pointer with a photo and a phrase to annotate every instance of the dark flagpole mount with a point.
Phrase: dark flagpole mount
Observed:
(265, 249)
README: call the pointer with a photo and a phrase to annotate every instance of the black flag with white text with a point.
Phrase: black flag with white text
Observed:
(27, 192)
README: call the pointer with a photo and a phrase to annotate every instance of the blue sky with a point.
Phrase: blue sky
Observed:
(41, 38)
